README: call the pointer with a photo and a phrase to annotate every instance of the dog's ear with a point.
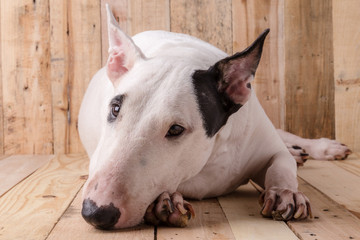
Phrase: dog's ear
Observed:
(123, 52)
(237, 71)
(225, 87)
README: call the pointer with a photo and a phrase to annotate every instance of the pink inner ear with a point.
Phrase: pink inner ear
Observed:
(115, 38)
(238, 91)
(238, 76)
(116, 64)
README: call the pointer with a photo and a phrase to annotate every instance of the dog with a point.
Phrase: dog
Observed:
(171, 116)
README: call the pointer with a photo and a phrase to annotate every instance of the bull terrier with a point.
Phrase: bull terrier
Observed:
(172, 116)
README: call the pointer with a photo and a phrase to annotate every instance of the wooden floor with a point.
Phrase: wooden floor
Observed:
(40, 199)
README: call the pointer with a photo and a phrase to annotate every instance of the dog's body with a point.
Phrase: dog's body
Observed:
(234, 156)
(153, 122)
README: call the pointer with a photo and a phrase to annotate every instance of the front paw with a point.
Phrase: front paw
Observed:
(284, 204)
(171, 210)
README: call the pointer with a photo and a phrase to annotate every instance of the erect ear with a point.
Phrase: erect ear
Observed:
(123, 52)
(225, 87)
(237, 71)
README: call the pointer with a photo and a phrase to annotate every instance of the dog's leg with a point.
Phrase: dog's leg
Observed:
(281, 199)
(170, 210)
(323, 148)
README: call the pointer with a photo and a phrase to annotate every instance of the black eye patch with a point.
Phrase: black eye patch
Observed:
(114, 107)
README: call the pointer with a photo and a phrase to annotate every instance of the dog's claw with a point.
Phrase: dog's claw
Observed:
(191, 212)
(267, 209)
(284, 205)
(299, 212)
(299, 154)
(169, 205)
(181, 208)
(169, 210)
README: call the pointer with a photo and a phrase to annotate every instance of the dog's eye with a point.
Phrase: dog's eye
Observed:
(174, 131)
(115, 109)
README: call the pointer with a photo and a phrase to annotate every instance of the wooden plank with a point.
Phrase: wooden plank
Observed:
(209, 20)
(1, 102)
(149, 15)
(346, 38)
(337, 183)
(120, 11)
(209, 223)
(331, 221)
(73, 226)
(250, 18)
(84, 59)
(243, 212)
(16, 168)
(352, 164)
(31, 208)
(25, 77)
(59, 74)
(309, 74)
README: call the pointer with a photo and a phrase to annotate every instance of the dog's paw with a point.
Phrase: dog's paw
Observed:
(327, 149)
(284, 205)
(300, 155)
(171, 210)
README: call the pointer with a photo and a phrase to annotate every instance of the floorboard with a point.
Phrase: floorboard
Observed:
(243, 212)
(73, 226)
(31, 208)
(339, 184)
(331, 221)
(40, 198)
(15, 168)
(210, 223)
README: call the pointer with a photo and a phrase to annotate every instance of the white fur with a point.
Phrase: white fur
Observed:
(131, 160)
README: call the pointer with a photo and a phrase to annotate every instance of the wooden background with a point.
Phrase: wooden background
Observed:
(308, 80)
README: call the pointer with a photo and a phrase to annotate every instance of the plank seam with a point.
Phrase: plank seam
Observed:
(327, 197)
(26, 176)
(75, 195)
(155, 232)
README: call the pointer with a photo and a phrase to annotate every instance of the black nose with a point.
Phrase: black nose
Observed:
(104, 217)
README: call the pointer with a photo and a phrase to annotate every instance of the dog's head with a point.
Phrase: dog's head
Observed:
(161, 124)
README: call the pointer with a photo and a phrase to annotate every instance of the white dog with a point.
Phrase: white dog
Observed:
(171, 115)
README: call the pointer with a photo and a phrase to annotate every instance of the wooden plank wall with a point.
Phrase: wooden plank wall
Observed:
(308, 79)
(346, 41)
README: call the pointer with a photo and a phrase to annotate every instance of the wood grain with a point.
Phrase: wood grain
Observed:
(1, 102)
(243, 213)
(31, 208)
(147, 15)
(209, 20)
(352, 164)
(16, 168)
(84, 59)
(209, 218)
(59, 58)
(73, 226)
(346, 35)
(26, 94)
(331, 221)
(250, 18)
(335, 182)
(310, 110)
(210, 223)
